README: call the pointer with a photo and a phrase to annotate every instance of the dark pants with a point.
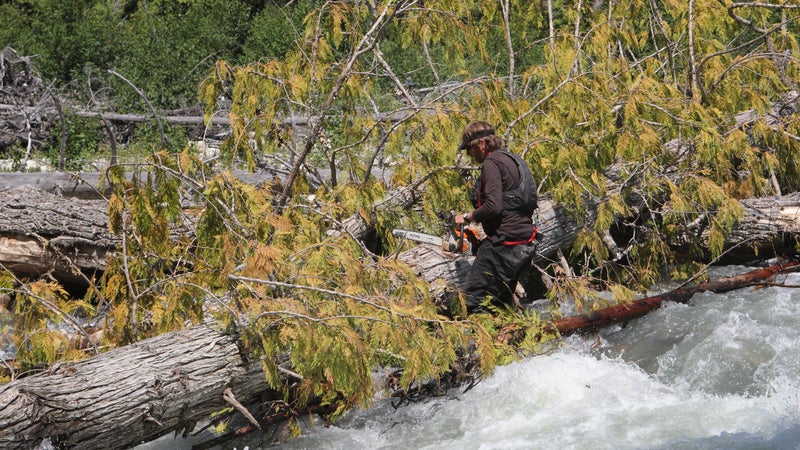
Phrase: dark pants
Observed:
(495, 273)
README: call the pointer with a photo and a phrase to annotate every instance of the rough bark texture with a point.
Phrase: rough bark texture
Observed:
(41, 232)
(770, 225)
(130, 395)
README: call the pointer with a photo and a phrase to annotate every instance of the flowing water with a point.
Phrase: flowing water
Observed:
(722, 372)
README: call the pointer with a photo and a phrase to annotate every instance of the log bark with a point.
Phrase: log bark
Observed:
(41, 233)
(769, 227)
(129, 395)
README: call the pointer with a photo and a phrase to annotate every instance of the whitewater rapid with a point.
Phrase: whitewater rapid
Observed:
(722, 372)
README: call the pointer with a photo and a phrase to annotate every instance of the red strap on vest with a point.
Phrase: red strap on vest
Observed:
(531, 239)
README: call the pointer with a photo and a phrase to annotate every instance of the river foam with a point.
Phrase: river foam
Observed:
(722, 372)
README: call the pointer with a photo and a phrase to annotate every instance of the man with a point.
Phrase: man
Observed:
(504, 198)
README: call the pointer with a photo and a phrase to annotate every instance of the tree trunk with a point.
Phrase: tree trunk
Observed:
(130, 395)
(41, 232)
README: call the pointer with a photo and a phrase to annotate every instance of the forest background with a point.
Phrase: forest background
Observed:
(626, 111)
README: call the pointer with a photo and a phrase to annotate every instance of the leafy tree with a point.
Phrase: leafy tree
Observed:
(66, 35)
(168, 45)
(83, 144)
(274, 30)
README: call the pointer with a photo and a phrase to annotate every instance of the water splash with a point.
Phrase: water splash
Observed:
(722, 372)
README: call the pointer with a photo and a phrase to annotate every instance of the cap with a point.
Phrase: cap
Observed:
(473, 131)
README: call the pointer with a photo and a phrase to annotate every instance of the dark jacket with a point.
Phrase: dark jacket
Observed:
(499, 174)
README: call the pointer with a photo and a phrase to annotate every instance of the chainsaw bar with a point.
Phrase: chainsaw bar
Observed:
(418, 237)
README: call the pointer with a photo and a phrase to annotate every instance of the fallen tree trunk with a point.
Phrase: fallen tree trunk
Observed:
(770, 227)
(41, 233)
(638, 308)
(130, 395)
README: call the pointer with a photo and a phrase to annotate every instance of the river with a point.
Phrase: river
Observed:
(722, 372)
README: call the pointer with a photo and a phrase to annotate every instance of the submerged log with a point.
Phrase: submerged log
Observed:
(638, 308)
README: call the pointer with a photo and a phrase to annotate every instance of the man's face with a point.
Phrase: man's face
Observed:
(475, 150)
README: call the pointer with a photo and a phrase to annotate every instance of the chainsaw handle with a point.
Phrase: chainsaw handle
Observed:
(460, 246)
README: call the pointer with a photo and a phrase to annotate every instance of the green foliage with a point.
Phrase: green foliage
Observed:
(146, 139)
(84, 137)
(608, 89)
(274, 31)
(334, 310)
(170, 45)
(145, 284)
(66, 35)
(41, 308)
(162, 47)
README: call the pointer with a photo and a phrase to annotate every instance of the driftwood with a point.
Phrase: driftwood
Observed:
(30, 109)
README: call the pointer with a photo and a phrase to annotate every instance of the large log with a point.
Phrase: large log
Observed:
(770, 227)
(42, 232)
(130, 395)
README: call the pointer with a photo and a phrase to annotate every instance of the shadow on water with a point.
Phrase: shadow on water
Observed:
(786, 439)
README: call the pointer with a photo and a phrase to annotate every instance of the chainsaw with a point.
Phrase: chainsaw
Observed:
(458, 239)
